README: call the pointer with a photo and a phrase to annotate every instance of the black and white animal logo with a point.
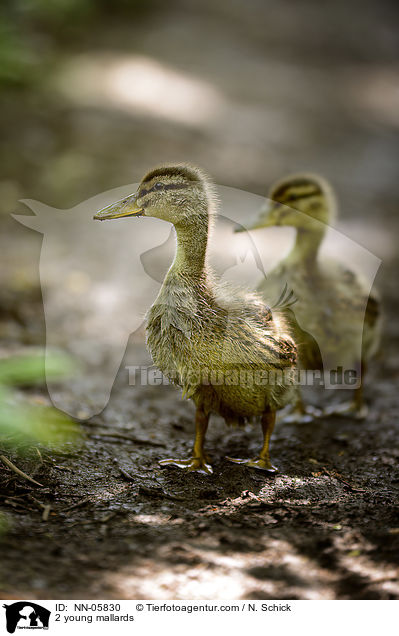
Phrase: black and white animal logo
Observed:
(26, 615)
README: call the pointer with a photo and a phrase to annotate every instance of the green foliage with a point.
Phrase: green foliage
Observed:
(32, 31)
(17, 58)
(22, 370)
(22, 423)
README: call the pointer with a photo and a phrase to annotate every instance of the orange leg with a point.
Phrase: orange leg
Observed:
(198, 462)
(262, 462)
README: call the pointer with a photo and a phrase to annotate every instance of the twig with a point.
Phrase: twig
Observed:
(19, 472)
(15, 504)
(339, 477)
(129, 438)
(40, 464)
(103, 520)
(126, 474)
(157, 492)
(38, 503)
(46, 512)
(5, 496)
(46, 507)
(82, 502)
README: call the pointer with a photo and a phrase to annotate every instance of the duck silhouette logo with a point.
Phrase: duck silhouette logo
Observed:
(98, 281)
(26, 615)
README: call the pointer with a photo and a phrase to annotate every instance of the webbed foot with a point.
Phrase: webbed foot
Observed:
(258, 462)
(302, 415)
(192, 464)
(351, 409)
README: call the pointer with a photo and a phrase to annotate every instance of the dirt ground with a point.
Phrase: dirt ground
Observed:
(119, 526)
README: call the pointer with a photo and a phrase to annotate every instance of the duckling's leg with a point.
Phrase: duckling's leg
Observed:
(355, 407)
(301, 413)
(360, 407)
(263, 461)
(198, 461)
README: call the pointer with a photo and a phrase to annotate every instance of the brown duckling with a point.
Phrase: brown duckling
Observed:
(223, 347)
(333, 313)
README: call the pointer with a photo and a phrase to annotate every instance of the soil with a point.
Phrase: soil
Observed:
(119, 526)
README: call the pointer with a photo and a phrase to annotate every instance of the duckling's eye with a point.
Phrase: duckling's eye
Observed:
(158, 186)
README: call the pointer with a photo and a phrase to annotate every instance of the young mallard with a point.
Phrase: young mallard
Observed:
(225, 349)
(333, 314)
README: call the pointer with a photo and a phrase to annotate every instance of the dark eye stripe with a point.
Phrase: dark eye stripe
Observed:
(284, 190)
(166, 186)
(305, 195)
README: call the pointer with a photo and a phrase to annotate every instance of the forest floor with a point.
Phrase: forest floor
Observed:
(119, 526)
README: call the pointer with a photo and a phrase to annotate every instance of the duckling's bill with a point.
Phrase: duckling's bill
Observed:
(265, 219)
(121, 209)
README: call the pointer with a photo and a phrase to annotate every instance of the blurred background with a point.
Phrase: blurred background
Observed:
(94, 93)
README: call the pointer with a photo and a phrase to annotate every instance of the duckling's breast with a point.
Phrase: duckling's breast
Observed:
(220, 371)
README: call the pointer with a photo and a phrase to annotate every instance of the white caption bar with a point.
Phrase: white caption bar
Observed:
(191, 617)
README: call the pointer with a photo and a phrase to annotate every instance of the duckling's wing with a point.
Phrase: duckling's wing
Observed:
(276, 344)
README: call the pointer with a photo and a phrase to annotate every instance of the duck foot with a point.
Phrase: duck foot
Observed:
(302, 415)
(257, 462)
(351, 409)
(192, 464)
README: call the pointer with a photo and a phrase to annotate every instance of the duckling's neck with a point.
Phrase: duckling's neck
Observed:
(192, 239)
(307, 244)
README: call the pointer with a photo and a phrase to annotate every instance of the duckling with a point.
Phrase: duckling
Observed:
(333, 307)
(223, 347)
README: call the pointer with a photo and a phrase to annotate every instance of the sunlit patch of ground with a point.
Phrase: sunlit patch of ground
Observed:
(204, 573)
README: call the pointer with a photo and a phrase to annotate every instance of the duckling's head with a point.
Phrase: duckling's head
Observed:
(179, 193)
(301, 201)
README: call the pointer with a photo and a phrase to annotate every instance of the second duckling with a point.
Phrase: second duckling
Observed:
(334, 313)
